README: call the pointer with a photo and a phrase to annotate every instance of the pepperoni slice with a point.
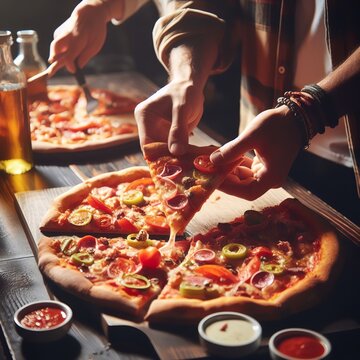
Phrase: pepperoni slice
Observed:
(262, 279)
(121, 266)
(204, 256)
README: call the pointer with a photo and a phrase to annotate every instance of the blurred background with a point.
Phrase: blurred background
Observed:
(128, 47)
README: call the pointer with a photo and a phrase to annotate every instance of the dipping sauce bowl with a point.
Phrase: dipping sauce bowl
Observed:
(229, 334)
(297, 343)
(43, 321)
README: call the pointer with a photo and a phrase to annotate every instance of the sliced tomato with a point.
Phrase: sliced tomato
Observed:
(82, 126)
(217, 273)
(150, 257)
(203, 164)
(98, 204)
(261, 251)
(140, 184)
(157, 222)
(204, 255)
(126, 129)
(126, 226)
(183, 245)
(248, 269)
(121, 266)
(87, 241)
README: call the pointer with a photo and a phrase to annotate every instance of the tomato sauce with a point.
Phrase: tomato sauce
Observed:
(301, 347)
(44, 318)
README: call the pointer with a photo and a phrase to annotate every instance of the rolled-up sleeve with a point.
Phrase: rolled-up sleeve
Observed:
(188, 21)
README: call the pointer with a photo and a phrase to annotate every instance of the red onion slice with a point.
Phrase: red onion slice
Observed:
(168, 187)
(170, 171)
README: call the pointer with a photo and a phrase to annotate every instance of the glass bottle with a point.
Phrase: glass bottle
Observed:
(28, 59)
(15, 140)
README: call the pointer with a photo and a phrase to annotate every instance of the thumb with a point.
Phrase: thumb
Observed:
(231, 151)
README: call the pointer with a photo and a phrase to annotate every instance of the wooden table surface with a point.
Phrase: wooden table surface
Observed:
(21, 281)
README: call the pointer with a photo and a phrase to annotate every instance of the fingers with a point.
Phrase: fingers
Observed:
(178, 135)
(231, 151)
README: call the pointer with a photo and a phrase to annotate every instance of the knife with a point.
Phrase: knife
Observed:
(91, 102)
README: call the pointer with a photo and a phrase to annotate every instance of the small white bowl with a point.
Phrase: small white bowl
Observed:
(232, 343)
(276, 338)
(43, 335)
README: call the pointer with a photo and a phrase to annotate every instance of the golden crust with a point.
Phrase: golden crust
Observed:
(75, 195)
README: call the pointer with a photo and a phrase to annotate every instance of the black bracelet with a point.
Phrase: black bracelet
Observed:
(324, 103)
(296, 111)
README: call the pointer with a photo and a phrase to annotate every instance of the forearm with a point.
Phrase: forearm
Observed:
(193, 61)
(112, 9)
(343, 85)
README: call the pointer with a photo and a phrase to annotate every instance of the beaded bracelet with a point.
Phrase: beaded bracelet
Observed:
(298, 115)
(324, 102)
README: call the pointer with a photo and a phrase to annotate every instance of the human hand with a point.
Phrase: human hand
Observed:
(79, 38)
(276, 138)
(170, 115)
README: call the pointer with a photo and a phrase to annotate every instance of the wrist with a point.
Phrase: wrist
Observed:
(107, 9)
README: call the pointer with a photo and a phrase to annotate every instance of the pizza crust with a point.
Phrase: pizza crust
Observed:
(75, 195)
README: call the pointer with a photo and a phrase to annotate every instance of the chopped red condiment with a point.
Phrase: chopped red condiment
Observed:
(44, 318)
(301, 347)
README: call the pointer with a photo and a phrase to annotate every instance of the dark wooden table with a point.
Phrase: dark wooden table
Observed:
(21, 282)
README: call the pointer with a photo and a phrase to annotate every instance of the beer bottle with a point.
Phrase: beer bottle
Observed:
(28, 59)
(15, 140)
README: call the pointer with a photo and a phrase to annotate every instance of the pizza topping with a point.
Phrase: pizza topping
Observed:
(248, 269)
(126, 226)
(273, 268)
(69, 246)
(98, 204)
(262, 279)
(103, 221)
(132, 197)
(261, 251)
(168, 187)
(188, 182)
(157, 222)
(178, 202)
(234, 251)
(135, 281)
(150, 257)
(170, 171)
(140, 184)
(204, 255)
(121, 266)
(203, 164)
(191, 290)
(87, 241)
(217, 273)
(44, 318)
(80, 217)
(82, 259)
(140, 240)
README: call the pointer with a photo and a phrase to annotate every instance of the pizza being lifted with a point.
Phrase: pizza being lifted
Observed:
(269, 263)
(59, 122)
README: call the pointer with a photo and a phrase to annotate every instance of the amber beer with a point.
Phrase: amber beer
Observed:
(15, 140)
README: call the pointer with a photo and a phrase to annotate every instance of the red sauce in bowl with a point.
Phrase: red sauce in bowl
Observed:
(44, 318)
(301, 347)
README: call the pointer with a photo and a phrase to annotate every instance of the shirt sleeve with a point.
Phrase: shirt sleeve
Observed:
(191, 19)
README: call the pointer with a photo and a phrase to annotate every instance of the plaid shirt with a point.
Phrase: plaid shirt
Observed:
(264, 33)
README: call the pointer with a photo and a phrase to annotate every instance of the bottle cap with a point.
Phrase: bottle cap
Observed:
(5, 37)
(26, 36)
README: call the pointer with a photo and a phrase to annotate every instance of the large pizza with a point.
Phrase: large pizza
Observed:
(59, 121)
(268, 263)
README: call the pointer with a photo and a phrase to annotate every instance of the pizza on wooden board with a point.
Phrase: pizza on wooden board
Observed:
(269, 264)
(120, 202)
(59, 122)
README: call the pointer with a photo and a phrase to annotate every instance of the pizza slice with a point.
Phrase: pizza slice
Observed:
(184, 182)
(119, 202)
(268, 264)
(122, 274)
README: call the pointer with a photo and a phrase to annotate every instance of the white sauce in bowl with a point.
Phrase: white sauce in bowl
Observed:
(230, 332)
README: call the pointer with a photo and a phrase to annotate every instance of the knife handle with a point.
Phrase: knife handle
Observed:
(79, 75)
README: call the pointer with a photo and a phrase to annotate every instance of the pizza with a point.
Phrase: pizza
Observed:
(59, 122)
(119, 202)
(184, 182)
(269, 264)
(122, 273)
